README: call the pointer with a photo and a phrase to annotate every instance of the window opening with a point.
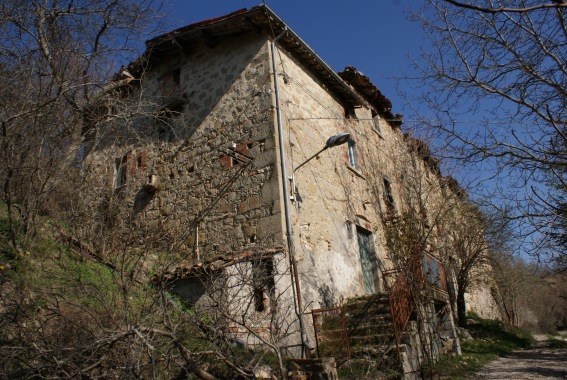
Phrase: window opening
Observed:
(349, 112)
(376, 123)
(352, 154)
(388, 197)
(263, 284)
(120, 171)
(236, 155)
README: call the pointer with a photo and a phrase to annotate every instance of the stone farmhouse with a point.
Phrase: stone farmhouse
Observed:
(277, 181)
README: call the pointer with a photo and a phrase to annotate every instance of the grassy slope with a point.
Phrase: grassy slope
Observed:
(491, 339)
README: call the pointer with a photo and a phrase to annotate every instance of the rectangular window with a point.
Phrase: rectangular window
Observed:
(349, 112)
(120, 170)
(388, 197)
(263, 284)
(127, 166)
(352, 154)
(236, 155)
(376, 123)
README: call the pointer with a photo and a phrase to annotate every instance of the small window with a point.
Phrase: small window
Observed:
(235, 156)
(127, 166)
(376, 123)
(349, 112)
(120, 170)
(388, 197)
(263, 284)
(352, 154)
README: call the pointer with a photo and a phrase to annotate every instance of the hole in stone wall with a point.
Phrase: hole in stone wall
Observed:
(191, 169)
(253, 238)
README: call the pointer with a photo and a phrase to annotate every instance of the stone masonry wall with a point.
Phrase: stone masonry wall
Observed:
(196, 106)
(166, 166)
(337, 199)
(334, 197)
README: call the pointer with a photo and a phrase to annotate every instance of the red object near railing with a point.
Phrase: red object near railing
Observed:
(402, 300)
(423, 269)
(401, 306)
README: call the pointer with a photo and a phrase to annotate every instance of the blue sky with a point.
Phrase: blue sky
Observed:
(372, 35)
(376, 37)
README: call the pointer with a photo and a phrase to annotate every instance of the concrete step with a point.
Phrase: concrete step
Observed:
(367, 306)
(370, 340)
(369, 329)
(379, 298)
(373, 352)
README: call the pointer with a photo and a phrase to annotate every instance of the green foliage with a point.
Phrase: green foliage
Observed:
(366, 369)
(557, 343)
(491, 340)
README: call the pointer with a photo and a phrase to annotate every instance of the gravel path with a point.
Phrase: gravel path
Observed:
(539, 362)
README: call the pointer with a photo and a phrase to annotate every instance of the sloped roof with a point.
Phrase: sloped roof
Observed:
(257, 19)
(371, 93)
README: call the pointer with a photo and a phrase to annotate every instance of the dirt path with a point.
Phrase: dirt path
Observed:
(539, 362)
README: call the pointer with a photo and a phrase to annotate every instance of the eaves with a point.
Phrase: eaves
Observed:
(259, 19)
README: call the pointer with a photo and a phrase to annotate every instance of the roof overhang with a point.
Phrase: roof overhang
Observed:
(257, 20)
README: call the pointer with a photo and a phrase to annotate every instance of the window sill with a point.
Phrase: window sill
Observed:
(355, 171)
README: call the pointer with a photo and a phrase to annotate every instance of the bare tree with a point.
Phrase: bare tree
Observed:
(523, 6)
(469, 253)
(508, 60)
(56, 56)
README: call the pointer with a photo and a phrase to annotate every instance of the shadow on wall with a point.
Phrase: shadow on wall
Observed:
(179, 93)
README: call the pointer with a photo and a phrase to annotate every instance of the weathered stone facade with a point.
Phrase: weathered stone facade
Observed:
(210, 87)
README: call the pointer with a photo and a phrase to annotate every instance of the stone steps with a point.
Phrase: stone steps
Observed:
(370, 332)
(370, 340)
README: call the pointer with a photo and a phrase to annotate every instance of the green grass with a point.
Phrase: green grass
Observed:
(556, 343)
(491, 340)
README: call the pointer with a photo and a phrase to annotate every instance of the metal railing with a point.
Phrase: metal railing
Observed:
(401, 306)
(424, 269)
(402, 301)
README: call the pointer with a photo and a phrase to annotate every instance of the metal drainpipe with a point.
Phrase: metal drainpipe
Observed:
(289, 232)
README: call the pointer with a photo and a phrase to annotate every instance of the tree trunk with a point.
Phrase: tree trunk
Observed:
(461, 308)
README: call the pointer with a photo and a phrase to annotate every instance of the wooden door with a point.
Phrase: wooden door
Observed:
(368, 259)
